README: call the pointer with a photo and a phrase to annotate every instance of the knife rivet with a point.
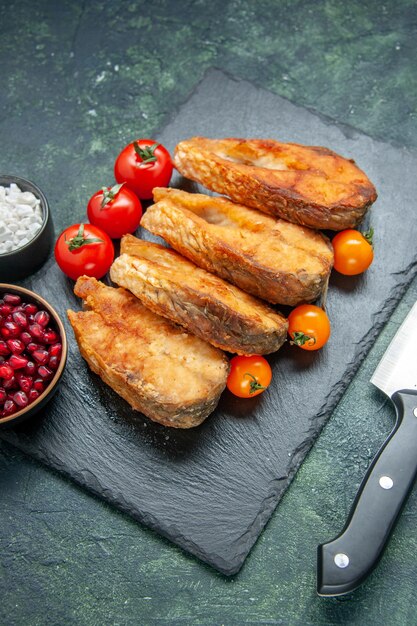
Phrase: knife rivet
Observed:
(341, 560)
(386, 482)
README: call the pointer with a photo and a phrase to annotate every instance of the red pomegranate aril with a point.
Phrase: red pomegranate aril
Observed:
(39, 384)
(40, 356)
(4, 348)
(10, 330)
(55, 349)
(30, 369)
(26, 337)
(9, 407)
(36, 331)
(10, 383)
(31, 347)
(42, 318)
(33, 394)
(50, 336)
(3, 395)
(31, 308)
(45, 372)
(20, 319)
(18, 361)
(21, 399)
(54, 362)
(25, 382)
(12, 298)
(16, 346)
(6, 371)
(5, 309)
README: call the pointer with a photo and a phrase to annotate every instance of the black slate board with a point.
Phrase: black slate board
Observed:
(212, 489)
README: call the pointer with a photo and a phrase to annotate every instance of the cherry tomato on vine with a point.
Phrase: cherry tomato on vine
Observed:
(353, 252)
(116, 210)
(84, 249)
(143, 165)
(308, 327)
(249, 376)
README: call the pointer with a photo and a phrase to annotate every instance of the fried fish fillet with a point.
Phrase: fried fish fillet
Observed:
(204, 304)
(307, 185)
(172, 377)
(270, 258)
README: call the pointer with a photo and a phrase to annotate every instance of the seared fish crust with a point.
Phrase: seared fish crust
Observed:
(307, 185)
(172, 377)
(270, 258)
(204, 304)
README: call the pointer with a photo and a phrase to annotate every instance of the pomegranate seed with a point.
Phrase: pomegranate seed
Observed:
(16, 346)
(26, 338)
(40, 356)
(54, 362)
(42, 318)
(55, 349)
(18, 361)
(10, 330)
(11, 383)
(30, 369)
(3, 395)
(31, 308)
(21, 399)
(50, 336)
(25, 382)
(9, 408)
(31, 347)
(36, 331)
(5, 309)
(33, 394)
(20, 319)
(45, 372)
(12, 298)
(6, 371)
(39, 385)
(4, 349)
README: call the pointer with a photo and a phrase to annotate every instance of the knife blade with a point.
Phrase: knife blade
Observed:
(345, 562)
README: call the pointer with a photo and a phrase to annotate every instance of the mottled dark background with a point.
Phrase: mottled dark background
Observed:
(78, 79)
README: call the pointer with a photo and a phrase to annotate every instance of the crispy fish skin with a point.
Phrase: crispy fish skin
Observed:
(172, 377)
(204, 304)
(269, 258)
(308, 185)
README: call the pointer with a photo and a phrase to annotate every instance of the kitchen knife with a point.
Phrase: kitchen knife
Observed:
(344, 563)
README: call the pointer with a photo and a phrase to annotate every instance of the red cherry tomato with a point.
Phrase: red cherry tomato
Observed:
(249, 376)
(84, 249)
(143, 165)
(353, 252)
(308, 327)
(116, 210)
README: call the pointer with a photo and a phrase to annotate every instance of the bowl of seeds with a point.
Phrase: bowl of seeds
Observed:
(33, 353)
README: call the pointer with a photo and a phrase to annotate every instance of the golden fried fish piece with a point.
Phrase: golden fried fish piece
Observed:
(270, 258)
(307, 185)
(169, 375)
(204, 304)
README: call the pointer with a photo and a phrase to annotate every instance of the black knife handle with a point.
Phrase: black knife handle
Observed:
(344, 563)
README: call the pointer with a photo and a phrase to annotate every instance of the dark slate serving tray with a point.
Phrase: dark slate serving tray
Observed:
(212, 489)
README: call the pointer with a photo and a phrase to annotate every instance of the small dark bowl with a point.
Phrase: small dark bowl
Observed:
(19, 263)
(48, 393)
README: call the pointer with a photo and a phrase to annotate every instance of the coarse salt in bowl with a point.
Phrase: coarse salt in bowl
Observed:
(26, 228)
